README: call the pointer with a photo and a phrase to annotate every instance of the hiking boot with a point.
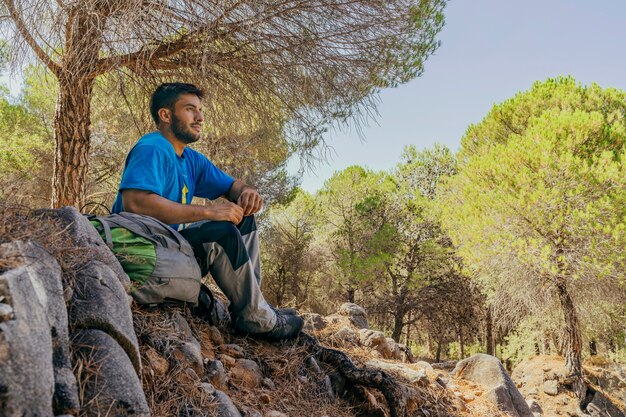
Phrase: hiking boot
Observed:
(283, 310)
(287, 326)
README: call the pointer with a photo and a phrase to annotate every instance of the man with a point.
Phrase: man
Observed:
(162, 175)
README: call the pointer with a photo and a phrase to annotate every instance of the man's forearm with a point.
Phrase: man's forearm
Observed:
(161, 208)
(236, 189)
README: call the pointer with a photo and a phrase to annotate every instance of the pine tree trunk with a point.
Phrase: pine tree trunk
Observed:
(573, 340)
(72, 131)
(72, 121)
(398, 325)
(491, 350)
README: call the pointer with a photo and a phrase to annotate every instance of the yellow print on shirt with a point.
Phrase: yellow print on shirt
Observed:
(185, 191)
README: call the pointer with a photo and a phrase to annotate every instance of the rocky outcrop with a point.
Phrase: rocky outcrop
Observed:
(26, 345)
(109, 378)
(41, 348)
(489, 372)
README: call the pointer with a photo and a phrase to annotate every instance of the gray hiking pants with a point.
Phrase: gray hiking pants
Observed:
(231, 254)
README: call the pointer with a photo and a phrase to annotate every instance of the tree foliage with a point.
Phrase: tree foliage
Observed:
(297, 64)
(537, 208)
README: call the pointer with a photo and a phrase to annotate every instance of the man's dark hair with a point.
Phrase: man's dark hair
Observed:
(166, 95)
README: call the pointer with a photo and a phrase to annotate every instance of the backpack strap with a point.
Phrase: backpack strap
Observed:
(107, 230)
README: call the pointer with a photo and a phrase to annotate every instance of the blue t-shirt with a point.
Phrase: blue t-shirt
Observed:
(153, 165)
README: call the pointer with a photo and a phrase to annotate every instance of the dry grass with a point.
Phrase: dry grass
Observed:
(22, 223)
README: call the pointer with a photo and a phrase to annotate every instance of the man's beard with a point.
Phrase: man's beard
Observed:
(182, 133)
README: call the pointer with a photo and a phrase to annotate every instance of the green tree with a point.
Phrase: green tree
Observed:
(306, 63)
(419, 252)
(538, 206)
(291, 260)
(354, 226)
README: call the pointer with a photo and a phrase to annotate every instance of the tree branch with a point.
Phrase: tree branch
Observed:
(21, 27)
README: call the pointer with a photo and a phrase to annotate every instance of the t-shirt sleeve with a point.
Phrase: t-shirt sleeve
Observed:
(211, 182)
(146, 168)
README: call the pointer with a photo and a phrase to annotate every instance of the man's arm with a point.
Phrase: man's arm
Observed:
(153, 205)
(246, 197)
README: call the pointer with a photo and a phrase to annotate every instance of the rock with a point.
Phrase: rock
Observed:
(601, 406)
(313, 322)
(356, 313)
(396, 352)
(247, 372)
(489, 372)
(232, 350)
(207, 388)
(157, 363)
(111, 386)
(269, 384)
(6, 312)
(26, 372)
(250, 412)
(86, 236)
(346, 336)
(99, 302)
(274, 413)
(228, 361)
(371, 338)
(216, 336)
(424, 365)
(225, 406)
(444, 366)
(46, 271)
(312, 364)
(533, 391)
(413, 376)
(217, 374)
(385, 350)
(534, 407)
(185, 348)
(551, 387)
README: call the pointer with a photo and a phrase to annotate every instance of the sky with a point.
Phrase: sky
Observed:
(490, 50)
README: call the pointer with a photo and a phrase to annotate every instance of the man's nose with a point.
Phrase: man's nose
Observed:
(199, 117)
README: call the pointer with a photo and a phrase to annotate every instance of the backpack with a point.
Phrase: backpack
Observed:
(158, 260)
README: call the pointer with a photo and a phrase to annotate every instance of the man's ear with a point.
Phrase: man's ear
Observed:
(165, 115)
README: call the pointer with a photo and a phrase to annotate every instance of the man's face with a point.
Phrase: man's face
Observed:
(187, 118)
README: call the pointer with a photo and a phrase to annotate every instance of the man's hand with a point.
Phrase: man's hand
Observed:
(250, 201)
(228, 211)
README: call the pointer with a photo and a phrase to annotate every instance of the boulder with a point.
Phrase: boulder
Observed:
(247, 372)
(225, 406)
(216, 374)
(99, 302)
(551, 387)
(601, 406)
(111, 386)
(183, 346)
(356, 313)
(85, 235)
(44, 269)
(500, 389)
(414, 376)
(26, 372)
(313, 322)
(346, 336)
(371, 338)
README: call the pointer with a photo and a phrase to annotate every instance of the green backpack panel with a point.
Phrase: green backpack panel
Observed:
(155, 257)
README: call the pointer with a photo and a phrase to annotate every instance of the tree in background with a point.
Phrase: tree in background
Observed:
(355, 228)
(538, 206)
(307, 63)
(291, 260)
(420, 252)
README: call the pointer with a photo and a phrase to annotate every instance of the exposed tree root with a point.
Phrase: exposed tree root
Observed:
(394, 392)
